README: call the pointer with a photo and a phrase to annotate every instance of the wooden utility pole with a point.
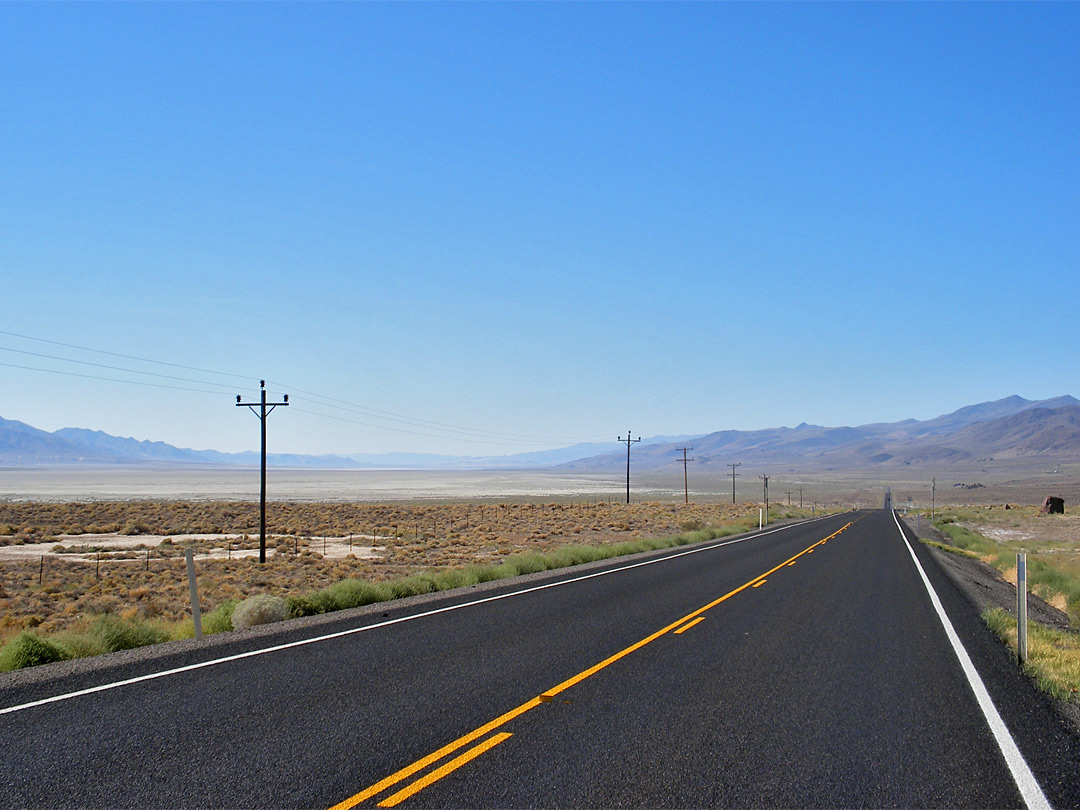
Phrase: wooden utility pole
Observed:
(262, 413)
(628, 441)
(734, 475)
(686, 486)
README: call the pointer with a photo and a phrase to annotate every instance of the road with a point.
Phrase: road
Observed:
(805, 666)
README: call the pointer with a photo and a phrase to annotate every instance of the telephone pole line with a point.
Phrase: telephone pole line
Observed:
(628, 441)
(734, 475)
(765, 478)
(262, 413)
(686, 486)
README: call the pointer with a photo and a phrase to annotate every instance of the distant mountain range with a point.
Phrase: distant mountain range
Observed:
(1008, 428)
(22, 446)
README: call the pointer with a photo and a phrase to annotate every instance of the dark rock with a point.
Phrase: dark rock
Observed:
(1052, 506)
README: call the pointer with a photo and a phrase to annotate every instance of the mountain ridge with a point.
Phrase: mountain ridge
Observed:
(1012, 427)
(939, 440)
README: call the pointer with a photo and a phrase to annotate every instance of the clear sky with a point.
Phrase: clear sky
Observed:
(535, 222)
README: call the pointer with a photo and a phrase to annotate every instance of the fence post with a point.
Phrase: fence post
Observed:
(196, 615)
(1021, 606)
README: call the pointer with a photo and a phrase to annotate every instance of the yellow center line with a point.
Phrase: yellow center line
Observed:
(545, 697)
(445, 770)
(686, 627)
(420, 764)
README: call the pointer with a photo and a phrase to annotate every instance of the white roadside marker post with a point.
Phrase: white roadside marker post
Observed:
(1021, 606)
(195, 613)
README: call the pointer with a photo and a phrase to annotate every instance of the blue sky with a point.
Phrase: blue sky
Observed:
(534, 222)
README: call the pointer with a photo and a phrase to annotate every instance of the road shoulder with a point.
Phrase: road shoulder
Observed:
(982, 585)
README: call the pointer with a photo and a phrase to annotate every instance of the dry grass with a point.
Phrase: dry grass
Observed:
(1052, 543)
(64, 595)
(1053, 656)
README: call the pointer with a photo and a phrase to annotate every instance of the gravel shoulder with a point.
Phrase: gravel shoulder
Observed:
(983, 586)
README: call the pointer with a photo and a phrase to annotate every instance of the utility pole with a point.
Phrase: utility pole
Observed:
(628, 441)
(933, 499)
(686, 485)
(800, 497)
(788, 493)
(765, 478)
(734, 475)
(262, 413)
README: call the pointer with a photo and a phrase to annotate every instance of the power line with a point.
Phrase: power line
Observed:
(111, 368)
(441, 430)
(125, 356)
(424, 423)
(477, 440)
(112, 379)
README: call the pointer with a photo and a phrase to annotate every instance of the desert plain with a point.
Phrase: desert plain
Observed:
(78, 544)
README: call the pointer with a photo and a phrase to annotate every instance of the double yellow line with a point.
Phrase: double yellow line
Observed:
(680, 626)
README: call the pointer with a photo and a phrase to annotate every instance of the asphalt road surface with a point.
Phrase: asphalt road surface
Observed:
(805, 666)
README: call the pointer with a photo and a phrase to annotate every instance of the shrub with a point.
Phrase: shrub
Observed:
(411, 586)
(78, 644)
(352, 593)
(219, 620)
(260, 609)
(28, 650)
(126, 634)
(311, 604)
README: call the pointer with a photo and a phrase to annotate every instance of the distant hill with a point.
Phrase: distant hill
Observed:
(1013, 427)
(22, 444)
(1008, 428)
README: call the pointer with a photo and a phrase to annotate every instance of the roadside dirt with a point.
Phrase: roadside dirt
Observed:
(86, 547)
(62, 564)
(985, 588)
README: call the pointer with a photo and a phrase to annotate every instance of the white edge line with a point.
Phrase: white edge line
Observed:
(278, 647)
(1025, 780)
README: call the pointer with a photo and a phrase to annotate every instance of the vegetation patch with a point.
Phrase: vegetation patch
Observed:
(259, 609)
(77, 608)
(960, 552)
(113, 634)
(1053, 655)
(1053, 565)
(29, 650)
